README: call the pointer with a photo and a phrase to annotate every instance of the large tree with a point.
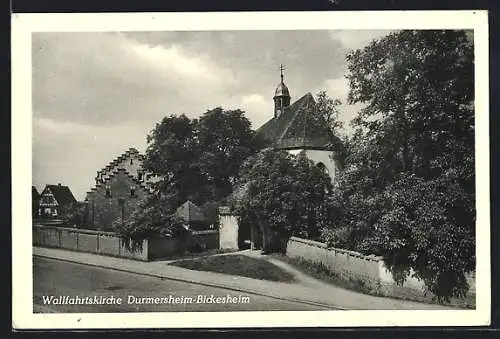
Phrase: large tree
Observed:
(408, 186)
(172, 149)
(189, 159)
(285, 195)
(225, 139)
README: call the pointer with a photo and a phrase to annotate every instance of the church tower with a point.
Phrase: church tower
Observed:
(281, 96)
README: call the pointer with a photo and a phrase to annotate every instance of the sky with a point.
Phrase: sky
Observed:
(96, 94)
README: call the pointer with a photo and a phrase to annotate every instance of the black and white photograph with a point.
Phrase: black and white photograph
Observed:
(263, 169)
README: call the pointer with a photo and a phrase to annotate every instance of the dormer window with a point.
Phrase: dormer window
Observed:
(108, 191)
(132, 191)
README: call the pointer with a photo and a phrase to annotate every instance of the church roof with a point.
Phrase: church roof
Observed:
(281, 90)
(190, 212)
(300, 126)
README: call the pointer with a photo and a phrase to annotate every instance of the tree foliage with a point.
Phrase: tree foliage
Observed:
(286, 194)
(74, 215)
(329, 109)
(154, 217)
(225, 140)
(190, 159)
(199, 159)
(408, 186)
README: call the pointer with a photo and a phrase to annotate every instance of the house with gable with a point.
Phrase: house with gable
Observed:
(119, 187)
(54, 200)
(35, 201)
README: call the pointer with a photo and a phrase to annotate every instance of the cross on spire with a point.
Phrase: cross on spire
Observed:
(281, 71)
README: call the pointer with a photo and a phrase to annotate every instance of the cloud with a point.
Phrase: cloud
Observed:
(106, 78)
(338, 88)
(95, 94)
(174, 64)
(71, 153)
(259, 108)
(354, 39)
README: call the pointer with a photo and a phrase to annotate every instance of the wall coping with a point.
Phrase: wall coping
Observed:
(370, 257)
(309, 242)
(86, 231)
(75, 230)
(204, 232)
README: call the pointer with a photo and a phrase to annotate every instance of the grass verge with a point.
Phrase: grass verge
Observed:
(237, 264)
(192, 255)
(322, 273)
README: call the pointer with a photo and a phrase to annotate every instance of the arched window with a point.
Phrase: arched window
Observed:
(322, 166)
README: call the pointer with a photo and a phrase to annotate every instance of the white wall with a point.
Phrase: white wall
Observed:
(370, 270)
(326, 157)
(228, 232)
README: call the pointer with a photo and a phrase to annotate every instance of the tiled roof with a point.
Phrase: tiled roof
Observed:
(61, 193)
(34, 193)
(190, 212)
(299, 126)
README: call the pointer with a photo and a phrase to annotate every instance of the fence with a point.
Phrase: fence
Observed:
(108, 243)
(370, 271)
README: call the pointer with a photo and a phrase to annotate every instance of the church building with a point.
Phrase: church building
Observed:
(295, 127)
(298, 127)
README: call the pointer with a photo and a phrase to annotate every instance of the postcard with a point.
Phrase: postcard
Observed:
(250, 169)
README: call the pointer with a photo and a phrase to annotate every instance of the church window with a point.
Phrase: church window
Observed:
(322, 166)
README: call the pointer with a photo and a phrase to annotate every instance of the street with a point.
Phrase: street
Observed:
(55, 280)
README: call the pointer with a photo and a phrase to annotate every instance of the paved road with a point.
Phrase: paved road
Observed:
(63, 279)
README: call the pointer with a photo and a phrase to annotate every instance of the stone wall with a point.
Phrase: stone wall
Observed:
(108, 243)
(370, 271)
(207, 239)
(103, 210)
(85, 241)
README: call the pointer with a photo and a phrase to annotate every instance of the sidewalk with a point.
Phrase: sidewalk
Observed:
(306, 290)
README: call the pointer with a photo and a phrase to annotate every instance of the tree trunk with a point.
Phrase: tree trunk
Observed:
(267, 236)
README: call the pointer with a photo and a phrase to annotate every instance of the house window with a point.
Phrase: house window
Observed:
(132, 191)
(139, 176)
(131, 161)
(108, 191)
